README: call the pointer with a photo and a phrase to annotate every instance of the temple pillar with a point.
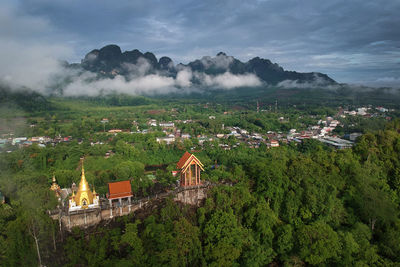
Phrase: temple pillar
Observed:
(110, 201)
(129, 201)
(185, 179)
(120, 206)
(190, 175)
(198, 175)
(195, 170)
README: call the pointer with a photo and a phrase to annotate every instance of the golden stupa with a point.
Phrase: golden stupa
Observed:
(55, 187)
(84, 196)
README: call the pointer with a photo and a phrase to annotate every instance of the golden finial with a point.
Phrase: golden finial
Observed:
(54, 178)
(83, 168)
(94, 190)
(83, 184)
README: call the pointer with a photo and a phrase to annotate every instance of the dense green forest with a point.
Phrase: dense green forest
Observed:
(294, 205)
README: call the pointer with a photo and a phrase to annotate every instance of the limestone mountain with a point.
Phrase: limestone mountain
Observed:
(111, 61)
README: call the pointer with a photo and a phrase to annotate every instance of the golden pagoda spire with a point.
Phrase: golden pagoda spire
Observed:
(83, 168)
(84, 196)
(83, 184)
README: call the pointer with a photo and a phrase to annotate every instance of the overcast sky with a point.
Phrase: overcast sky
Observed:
(353, 41)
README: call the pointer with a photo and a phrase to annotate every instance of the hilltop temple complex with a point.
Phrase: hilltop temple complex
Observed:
(84, 207)
(120, 194)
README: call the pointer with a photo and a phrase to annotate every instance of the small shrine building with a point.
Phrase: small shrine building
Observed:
(190, 169)
(119, 191)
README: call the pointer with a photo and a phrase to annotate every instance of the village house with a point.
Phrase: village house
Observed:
(362, 111)
(202, 139)
(337, 142)
(18, 140)
(152, 123)
(168, 139)
(114, 131)
(273, 143)
(167, 124)
(382, 109)
(185, 136)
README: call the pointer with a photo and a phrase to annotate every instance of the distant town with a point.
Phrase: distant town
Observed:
(323, 130)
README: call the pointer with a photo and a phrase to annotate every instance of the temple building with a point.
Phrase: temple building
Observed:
(121, 191)
(190, 168)
(84, 197)
(55, 187)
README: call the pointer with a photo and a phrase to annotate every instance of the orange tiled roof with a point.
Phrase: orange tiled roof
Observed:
(119, 189)
(183, 160)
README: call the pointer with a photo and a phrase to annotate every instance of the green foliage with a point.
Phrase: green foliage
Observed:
(318, 243)
(292, 205)
(224, 239)
(128, 170)
(131, 238)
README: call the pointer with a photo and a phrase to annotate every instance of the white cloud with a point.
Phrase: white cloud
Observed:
(149, 84)
(87, 84)
(318, 82)
(228, 80)
(25, 61)
(141, 68)
(184, 77)
(30, 66)
(220, 61)
(29, 59)
(393, 82)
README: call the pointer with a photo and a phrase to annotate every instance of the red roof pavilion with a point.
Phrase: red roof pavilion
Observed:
(183, 160)
(189, 167)
(119, 190)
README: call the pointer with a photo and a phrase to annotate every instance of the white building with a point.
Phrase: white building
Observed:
(167, 124)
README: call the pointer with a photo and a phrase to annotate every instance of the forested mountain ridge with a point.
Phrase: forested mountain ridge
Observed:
(110, 61)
